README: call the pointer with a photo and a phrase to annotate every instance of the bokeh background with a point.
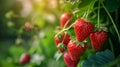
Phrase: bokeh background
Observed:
(43, 15)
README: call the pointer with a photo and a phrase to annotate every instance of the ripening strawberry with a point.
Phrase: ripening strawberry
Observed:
(68, 61)
(82, 29)
(98, 38)
(75, 50)
(28, 26)
(65, 17)
(65, 38)
(25, 58)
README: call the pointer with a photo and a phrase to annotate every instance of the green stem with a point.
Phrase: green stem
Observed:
(84, 15)
(111, 20)
(90, 6)
(64, 29)
(87, 13)
(93, 10)
(98, 14)
(67, 23)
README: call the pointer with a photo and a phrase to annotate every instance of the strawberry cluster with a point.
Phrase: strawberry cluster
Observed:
(74, 48)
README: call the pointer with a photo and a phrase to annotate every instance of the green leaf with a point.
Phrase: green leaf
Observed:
(100, 59)
(82, 44)
(58, 55)
(59, 36)
(61, 46)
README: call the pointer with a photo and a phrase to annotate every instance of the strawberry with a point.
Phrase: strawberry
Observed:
(25, 58)
(65, 38)
(68, 61)
(28, 26)
(82, 29)
(65, 17)
(98, 38)
(75, 50)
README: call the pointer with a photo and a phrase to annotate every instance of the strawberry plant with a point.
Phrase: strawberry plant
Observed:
(90, 30)
(59, 33)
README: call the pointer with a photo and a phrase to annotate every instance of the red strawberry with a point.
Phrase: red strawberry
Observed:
(82, 29)
(68, 61)
(64, 18)
(98, 38)
(25, 58)
(65, 38)
(75, 50)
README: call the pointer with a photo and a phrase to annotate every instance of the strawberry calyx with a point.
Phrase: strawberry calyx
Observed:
(101, 28)
(79, 43)
(59, 36)
(85, 19)
(61, 46)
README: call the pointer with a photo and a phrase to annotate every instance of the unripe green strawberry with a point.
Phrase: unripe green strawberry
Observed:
(82, 29)
(98, 38)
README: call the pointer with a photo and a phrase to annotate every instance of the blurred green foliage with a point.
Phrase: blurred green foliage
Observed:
(39, 43)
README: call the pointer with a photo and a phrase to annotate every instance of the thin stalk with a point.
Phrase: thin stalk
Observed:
(98, 14)
(64, 29)
(67, 23)
(115, 27)
(84, 15)
(90, 6)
